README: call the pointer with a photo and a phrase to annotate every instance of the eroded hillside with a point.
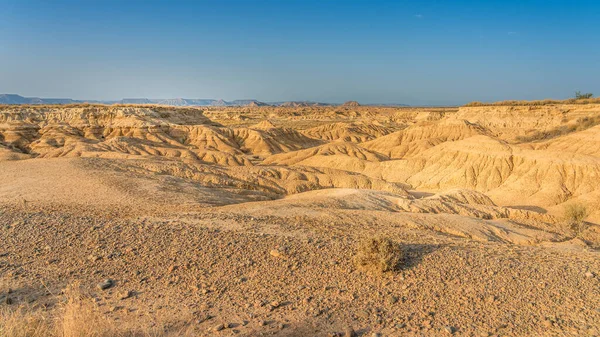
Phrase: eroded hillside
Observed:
(164, 200)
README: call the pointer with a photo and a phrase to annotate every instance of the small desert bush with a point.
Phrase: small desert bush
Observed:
(579, 95)
(575, 215)
(379, 254)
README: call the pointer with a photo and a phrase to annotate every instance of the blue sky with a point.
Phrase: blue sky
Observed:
(414, 52)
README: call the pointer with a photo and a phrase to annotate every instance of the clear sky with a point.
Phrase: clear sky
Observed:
(414, 52)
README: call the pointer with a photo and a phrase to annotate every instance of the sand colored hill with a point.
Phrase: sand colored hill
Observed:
(331, 149)
(245, 221)
(508, 122)
(348, 132)
(420, 137)
(586, 142)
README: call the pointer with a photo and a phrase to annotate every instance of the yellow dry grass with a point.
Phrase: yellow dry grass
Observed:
(77, 316)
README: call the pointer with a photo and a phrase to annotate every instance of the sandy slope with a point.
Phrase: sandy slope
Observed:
(252, 217)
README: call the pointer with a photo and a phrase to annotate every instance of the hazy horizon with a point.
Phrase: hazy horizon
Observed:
(376, 52)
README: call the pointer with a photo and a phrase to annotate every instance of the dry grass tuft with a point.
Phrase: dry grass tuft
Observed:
(575, 214)
(77, 316)
(80, 318)
(24, 323)
(379, 254)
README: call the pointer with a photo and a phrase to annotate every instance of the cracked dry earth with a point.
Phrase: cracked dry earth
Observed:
(246, 223)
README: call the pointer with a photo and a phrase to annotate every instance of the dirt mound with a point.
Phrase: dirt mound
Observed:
(510, 122)
(420, 137)
(264, 125)
(268, 142)
(348, 132)
(479, 163)
(433, 214)
(350, 104)
(7, 153)
(502, 171)
(472, 204)
(96, 185)
(585, 142)
(331, 149)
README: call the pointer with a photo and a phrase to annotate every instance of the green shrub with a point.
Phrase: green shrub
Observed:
(579, 95)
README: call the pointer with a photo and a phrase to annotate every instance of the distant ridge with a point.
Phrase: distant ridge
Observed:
(17, 99)
(14, 99)
(299, 103)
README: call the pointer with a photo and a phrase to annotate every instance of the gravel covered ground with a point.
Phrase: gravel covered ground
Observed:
(227, 269)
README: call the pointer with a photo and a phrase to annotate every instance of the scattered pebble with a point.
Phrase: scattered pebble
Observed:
(105, 284)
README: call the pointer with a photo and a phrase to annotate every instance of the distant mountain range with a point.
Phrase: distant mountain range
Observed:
(17, 99)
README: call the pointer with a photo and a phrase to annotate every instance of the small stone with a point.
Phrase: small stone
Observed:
(376, 334)
(589, 274)
(275, 253)
(547, 323)
(219, 327)
(349, 332)
(8, 301)
(231, 325)
(263, 323)
(105, 284)
(281, 326)
(449, 329)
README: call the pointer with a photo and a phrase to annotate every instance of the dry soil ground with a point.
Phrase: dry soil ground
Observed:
(245, 221)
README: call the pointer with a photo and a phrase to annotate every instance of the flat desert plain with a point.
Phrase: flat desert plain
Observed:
(121, 220)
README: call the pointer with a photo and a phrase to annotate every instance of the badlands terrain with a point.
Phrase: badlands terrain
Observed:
(245, 221)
